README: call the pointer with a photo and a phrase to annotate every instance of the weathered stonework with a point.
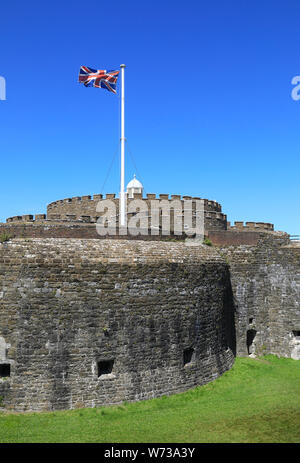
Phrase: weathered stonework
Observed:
(89, 320)
(84, 209)
(154, 317)
(86, 206)
(266, 286)
(77, 217)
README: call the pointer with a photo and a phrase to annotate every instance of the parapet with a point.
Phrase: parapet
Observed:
(80, 208)
(214, 205)
(26, 218)
(22, 218)
(80, 199)
(251, 226)
(83, 209)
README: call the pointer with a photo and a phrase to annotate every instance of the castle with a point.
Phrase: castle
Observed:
(76, 217)
(89, 320)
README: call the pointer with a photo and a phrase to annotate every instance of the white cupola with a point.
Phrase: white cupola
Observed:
(134, 186)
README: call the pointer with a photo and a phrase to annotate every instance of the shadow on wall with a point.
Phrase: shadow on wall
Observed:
(228, 320)
(229, 311)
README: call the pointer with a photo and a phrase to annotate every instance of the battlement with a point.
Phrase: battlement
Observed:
(26, 218)
(78, 200)
(82, 210)
(250, 226)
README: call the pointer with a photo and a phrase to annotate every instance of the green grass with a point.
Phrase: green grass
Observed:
(258, 400)
(4, 237)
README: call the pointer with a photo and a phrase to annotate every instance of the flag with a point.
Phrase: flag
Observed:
(97, 78)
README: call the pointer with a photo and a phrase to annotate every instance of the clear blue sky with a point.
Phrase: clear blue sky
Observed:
(209, 111)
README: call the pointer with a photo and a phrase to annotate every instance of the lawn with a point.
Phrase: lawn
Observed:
(258, 400)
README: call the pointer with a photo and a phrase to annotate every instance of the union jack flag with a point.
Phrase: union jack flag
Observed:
(97, 78)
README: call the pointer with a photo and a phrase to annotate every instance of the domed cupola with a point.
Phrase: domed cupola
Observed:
(134, 186)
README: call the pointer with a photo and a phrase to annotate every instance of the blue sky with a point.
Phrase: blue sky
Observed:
(209, 111)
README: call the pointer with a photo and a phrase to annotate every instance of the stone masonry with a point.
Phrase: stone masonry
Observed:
(90, 322)
(266, 287)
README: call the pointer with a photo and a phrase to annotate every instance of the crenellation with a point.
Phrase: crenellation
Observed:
(266, 226)
(40, 217)
(137, 196)
(97, 197)
(87, 206)
(248, 279)
(239, 224)
(16, 218)
(27, 218)
(255, 226)
(82, 210)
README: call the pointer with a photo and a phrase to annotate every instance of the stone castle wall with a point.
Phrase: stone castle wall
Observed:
(250, 226)
(87, 321)
(84, 208)
(76, 229)
(266, 287)
(28, 227)
(77, 217)
(91, 322)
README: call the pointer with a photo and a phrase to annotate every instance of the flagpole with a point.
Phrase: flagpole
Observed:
(122, 192)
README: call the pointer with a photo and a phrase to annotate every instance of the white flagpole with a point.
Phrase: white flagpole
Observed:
(122, 215)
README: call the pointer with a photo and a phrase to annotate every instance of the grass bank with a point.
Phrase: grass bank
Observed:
(258, 400)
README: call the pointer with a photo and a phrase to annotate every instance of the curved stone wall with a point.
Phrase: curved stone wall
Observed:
(84, 208)
(89, 322)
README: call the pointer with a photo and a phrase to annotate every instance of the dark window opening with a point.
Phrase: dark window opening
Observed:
(296, 333)
(188, 355)
(250, 338)
(105, 367)
(4, 370)
(251, 320)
